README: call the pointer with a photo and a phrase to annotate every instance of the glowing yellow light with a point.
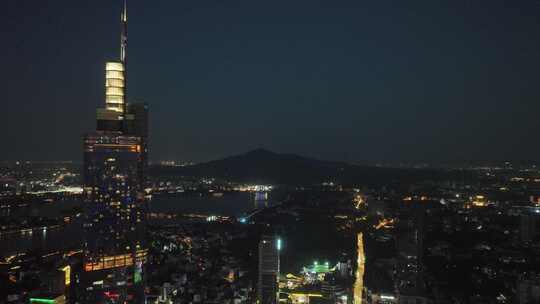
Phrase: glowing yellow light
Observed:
(115, 261)
(67, 273)
(114, 66)
(359, 281)
(479, 201)
(114, 86)
(384, 223)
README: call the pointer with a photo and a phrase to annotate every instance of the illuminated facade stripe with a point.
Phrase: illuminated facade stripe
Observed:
(115, 86)
(360, 264)
(122, 260)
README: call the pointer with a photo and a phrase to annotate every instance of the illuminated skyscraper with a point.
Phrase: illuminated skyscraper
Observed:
(111, 118)
(136, 123)
(115, 160)
(267, 287)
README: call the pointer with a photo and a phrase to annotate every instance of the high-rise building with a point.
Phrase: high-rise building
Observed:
(112, 116)
(115, 161)
(410, 247)
(527, 227)
(267, 288)
(136, 124)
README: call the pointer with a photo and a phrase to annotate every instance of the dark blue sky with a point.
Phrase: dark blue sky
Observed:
(348, 80)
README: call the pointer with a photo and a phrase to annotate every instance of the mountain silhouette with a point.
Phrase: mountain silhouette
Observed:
(264, 166)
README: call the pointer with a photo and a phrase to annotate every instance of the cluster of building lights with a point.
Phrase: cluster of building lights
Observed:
(121, 260)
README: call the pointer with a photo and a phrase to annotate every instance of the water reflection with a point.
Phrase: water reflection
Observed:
(42, 239)
(261, 200)
(229, 204)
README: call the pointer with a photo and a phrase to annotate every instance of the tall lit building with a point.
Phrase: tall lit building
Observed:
(410, 260)
(115, 161)
(136, 123)
(267, 287)
(527, 227)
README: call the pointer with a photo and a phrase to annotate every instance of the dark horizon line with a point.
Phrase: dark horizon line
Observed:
(384, 163)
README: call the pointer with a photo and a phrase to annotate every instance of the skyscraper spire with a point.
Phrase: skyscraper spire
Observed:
(116, 73)
(123, 35)
(123, 50)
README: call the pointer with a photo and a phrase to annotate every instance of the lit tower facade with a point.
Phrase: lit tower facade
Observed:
(115, 161)
(267, 287)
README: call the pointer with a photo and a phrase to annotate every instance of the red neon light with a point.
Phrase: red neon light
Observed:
(111, 295)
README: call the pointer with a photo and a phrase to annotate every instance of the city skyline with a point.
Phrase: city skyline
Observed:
(364, 153)
(377, 82)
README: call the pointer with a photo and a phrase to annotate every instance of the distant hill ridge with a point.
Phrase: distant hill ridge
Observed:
(264, 166)
(264, 157)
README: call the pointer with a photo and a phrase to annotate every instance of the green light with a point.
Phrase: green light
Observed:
(315, 263)
(38, 300)
(137, 277)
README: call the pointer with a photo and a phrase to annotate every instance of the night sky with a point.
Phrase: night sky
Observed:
(341, 80)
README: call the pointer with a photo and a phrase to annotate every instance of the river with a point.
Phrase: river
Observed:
(230, 204)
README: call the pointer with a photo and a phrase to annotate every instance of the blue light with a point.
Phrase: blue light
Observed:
(243, 220)
(278, 244)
